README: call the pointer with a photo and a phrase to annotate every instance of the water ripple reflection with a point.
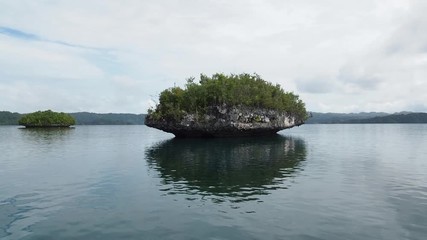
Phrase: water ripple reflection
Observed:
(234, 170)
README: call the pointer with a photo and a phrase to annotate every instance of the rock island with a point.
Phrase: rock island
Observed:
(226, 106)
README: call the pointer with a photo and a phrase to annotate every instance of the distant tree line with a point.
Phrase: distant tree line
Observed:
(367, 117)
(9, 118)
(233, 90)
(332, 118)
(84, 118)
(395, 118)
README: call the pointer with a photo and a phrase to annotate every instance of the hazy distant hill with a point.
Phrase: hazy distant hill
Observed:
(85, 118)
(395, 118)
(341, 117)
(9, 118)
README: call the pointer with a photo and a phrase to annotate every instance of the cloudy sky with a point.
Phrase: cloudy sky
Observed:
(117, 56)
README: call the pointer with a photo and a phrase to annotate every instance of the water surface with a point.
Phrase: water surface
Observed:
(133, 182)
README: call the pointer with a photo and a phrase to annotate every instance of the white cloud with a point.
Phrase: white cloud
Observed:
(41, 59)
(113, 56)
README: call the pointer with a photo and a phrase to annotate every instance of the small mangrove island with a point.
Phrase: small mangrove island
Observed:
(47, 119)
(226, 106)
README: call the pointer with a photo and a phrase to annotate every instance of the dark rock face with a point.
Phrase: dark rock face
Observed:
(224, 121)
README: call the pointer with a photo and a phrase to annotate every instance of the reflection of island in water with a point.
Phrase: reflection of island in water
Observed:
(46, 134)
(233, 169)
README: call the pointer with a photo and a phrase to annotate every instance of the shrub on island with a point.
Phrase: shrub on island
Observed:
(248, 90)
(47, 118)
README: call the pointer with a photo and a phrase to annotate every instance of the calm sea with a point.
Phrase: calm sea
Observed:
(133, 182)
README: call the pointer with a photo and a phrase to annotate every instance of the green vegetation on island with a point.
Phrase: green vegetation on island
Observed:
(47, 119)
(231, 90)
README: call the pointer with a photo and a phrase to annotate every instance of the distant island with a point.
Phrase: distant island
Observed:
(46, 119)
(226, 106)
(366, 118)
(84, 118)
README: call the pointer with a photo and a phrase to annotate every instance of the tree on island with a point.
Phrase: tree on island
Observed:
(47, 118)
(232, 90)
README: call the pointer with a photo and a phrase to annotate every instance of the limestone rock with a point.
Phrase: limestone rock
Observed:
(225, 121)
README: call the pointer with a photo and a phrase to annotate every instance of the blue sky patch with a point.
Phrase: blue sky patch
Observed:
(18, 34)
(15, 33)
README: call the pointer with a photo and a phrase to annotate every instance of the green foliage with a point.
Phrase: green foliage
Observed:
(232, 90)
(47, 119)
